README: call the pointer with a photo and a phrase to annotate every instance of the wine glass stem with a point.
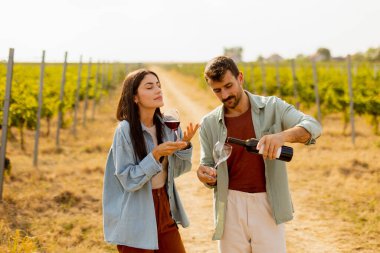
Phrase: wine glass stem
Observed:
(176, 134)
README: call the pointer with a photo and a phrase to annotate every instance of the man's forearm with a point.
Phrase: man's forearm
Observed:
(296, 135)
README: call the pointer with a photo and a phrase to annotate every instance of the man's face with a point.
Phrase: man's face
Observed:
(229, 90)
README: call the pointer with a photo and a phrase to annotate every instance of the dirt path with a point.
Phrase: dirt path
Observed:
(196, 198)
(306, 233)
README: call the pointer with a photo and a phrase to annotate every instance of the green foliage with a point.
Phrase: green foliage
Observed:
(324, 53)
(25, 89)
(332, 81)
(373, 54)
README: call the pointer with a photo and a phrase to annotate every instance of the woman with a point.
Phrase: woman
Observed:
(141, 206)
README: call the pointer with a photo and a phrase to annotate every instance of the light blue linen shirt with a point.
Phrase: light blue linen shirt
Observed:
(128, 208)
(269, 115)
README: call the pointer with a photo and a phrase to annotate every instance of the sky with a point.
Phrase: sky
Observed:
(184, 31)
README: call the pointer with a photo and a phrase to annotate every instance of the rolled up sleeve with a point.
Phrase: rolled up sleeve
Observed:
(312, 126)
(292, 117)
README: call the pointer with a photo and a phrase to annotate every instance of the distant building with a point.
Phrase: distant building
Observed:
(318, 57)
(338, 58)
(274, 58)
(322, 54)
(234, 53)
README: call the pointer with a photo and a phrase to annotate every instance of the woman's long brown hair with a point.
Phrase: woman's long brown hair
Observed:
(129, 110)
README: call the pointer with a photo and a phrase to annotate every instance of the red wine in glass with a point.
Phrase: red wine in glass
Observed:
(172, 124)
(172, 120)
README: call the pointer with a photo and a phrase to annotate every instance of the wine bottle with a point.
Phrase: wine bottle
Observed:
(284, 153)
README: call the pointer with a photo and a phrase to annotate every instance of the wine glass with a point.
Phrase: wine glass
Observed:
(171, 120)
(221, 152)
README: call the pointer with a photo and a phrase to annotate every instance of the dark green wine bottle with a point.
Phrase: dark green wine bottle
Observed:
(285, 152)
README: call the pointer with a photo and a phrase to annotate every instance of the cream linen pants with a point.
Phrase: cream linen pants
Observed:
(250, 227)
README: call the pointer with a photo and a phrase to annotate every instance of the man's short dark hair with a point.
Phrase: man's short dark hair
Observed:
(217, 68)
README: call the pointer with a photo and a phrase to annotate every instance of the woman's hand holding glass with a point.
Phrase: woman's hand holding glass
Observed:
(167, 148)
(171, 120)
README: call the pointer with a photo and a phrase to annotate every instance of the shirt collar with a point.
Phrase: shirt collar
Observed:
(254, 100)
(145, 128)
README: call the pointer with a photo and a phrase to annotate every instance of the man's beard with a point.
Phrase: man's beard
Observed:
(236, 102)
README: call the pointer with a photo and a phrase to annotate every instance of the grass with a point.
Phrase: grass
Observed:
(57, 206)
(339, 184)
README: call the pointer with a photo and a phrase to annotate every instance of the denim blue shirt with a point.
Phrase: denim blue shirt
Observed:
(128, 208)
(269, 115)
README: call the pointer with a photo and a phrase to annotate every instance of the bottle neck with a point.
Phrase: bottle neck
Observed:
(235, 141)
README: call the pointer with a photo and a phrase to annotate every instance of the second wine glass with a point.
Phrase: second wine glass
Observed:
(221, 152)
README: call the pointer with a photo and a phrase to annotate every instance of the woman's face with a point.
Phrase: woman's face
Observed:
(149, 94)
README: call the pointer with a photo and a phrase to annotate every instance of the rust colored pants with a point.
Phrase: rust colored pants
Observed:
(169, 239)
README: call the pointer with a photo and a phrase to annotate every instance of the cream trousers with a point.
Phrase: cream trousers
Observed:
(250, 227)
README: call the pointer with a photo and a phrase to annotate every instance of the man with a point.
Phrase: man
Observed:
(251, 193)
